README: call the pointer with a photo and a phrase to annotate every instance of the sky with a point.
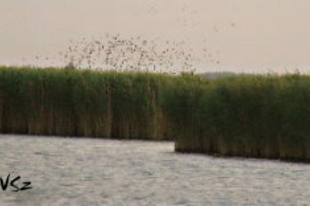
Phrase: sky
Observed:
(244, 36)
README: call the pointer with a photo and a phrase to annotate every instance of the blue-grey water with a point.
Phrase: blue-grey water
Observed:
(77, 171)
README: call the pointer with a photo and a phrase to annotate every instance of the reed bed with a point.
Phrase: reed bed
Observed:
(263, 116)
(82, 103)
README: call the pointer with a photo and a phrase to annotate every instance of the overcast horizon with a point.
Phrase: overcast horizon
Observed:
(243, 36)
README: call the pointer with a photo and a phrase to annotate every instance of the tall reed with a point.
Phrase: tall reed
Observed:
(265, 116)
(82, 103)
(253, 116)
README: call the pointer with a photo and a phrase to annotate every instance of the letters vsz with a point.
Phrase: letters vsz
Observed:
(13, 184)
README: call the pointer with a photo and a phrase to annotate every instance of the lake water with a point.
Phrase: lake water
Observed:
(76, 171)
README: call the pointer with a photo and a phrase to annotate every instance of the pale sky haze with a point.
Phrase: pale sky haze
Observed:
(246, 35)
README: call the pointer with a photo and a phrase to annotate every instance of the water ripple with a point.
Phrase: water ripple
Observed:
(106, 172)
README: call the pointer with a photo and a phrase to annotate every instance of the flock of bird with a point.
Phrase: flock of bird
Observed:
(114, 51)
(120, 53)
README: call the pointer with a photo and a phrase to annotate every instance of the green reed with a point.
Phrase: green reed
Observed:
(82, 103)
(254, 116)
(265, 116)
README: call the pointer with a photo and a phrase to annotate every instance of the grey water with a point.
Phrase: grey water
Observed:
(81, 171)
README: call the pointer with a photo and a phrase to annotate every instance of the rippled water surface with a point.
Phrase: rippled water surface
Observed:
(73, 171)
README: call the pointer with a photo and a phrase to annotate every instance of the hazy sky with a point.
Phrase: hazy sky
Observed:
(245, 35)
